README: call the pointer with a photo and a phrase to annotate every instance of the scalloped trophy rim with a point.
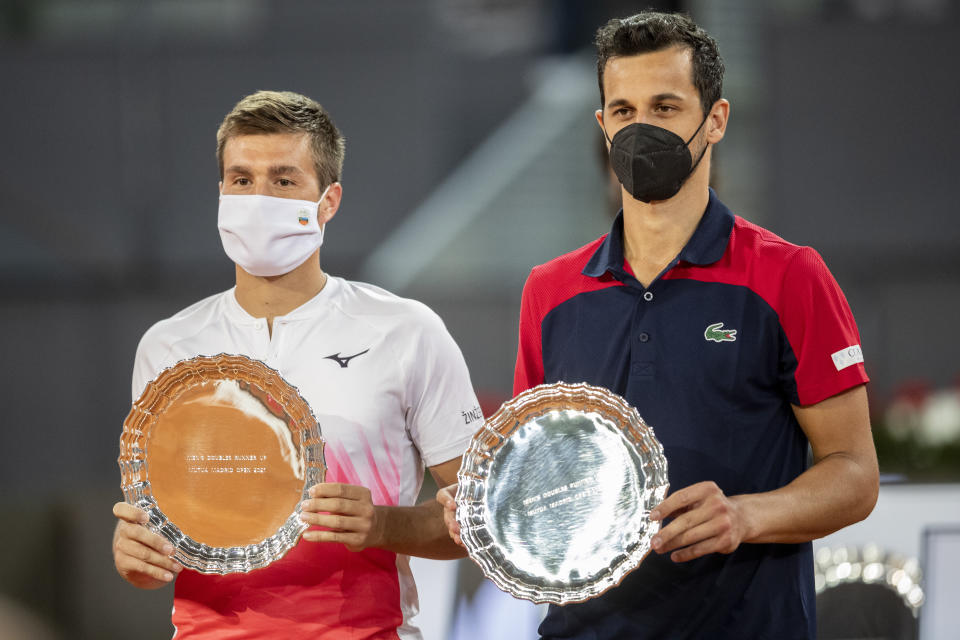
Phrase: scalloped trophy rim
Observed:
(530, 405)
(137, 489)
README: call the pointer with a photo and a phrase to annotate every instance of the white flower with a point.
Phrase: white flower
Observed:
(940, 418)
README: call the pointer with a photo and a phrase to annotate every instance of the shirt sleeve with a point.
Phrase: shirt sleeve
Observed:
(824, 356)
(144, 370)
(529, 369)
(443, 412)
(153, 356)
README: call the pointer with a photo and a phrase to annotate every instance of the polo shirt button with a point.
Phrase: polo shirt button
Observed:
(648, 296)
(643, 337)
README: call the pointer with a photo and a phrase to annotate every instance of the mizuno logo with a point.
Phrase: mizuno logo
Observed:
(343, 361)
(716, 333)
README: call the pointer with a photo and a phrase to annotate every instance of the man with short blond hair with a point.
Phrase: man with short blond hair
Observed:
(384, 378)
(287, 112)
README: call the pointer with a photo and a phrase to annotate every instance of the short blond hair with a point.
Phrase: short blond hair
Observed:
(287, 112)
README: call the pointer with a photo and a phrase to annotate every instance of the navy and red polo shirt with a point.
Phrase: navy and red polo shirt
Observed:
(739, 327)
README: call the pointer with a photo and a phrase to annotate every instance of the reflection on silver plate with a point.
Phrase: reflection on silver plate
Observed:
(220, 451)
(555, 493)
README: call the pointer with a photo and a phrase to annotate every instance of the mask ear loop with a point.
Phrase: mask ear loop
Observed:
(690, 139)
(323, 226)
(604, 129)
(702, 153)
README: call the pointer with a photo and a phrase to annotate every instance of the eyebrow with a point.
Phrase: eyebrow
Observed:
(282, 169)
(275, 170)
(666, 96)
(620, 102)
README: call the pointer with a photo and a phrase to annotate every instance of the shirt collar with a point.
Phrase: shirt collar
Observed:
(313, 307)
(707, 244)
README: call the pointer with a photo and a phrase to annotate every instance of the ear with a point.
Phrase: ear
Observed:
(330, 203)
(717, 121)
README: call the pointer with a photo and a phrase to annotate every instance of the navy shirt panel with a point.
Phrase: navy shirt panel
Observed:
(654, 354)
(710, 598)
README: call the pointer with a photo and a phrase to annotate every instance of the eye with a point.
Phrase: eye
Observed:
(241, 181)
(664, 108)
(621, 112)
(285, 182)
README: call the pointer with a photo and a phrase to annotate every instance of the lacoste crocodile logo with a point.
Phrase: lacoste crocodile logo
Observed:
(344, 360)
(716, 333)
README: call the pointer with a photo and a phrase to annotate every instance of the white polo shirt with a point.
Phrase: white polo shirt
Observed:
(391, 392)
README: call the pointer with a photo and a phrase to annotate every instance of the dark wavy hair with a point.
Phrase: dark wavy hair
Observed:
(652, 31)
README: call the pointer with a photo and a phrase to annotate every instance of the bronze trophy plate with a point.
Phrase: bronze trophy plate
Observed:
(220, 451)
(555, 493)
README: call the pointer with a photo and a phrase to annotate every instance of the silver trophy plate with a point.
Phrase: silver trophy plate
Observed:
(555, 493)
(220, 451)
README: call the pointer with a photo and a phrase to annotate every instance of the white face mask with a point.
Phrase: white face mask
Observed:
(269, 236)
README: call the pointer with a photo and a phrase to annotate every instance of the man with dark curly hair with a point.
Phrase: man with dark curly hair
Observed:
(737, 346)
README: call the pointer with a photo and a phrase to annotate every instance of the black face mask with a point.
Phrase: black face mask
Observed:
(651, 163)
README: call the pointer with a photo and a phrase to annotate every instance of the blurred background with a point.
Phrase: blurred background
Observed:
(472, 155)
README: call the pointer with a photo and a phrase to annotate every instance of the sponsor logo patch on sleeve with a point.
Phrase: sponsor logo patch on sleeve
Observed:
(472, 415)
(846, 357)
